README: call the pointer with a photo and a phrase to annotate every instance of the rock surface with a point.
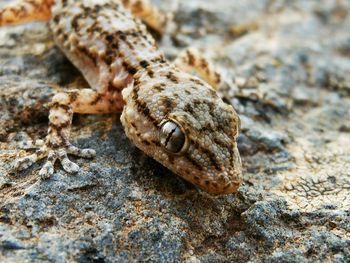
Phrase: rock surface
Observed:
(290, 65)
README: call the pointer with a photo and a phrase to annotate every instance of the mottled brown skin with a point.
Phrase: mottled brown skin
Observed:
(174, 117)
(28, 10)
(211, 159)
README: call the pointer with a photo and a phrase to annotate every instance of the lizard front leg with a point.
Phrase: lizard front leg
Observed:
(25, 11)
(191, 60)
(57, 144)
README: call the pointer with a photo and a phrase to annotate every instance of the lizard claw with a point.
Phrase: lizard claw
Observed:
(48, 169)
(85, 153)
(25, 162)
(67, 164)
(52, 155)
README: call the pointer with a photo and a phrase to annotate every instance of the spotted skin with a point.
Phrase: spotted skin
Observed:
(127, 73)
(26, 10)
(191, 59)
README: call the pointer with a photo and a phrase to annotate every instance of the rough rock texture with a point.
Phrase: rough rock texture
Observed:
(290, 62)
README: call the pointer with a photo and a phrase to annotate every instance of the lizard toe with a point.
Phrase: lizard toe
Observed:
(68, 165)
(85, 153)
(47, 170)
(25, 162)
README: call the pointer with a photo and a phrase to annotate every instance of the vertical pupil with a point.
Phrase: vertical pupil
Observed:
(171, 137)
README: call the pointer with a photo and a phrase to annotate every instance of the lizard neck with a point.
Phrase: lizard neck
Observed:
(157, 71)
(127, 68)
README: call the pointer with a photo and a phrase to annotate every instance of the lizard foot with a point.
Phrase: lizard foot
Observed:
(52, 155)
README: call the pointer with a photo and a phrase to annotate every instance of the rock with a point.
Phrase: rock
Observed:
(290, 63)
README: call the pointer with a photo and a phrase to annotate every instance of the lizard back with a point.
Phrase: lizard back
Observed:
(103, 40)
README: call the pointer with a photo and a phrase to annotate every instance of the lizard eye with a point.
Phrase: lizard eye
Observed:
(171, 137)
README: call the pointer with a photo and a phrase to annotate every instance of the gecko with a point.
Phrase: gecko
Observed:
(174, 116)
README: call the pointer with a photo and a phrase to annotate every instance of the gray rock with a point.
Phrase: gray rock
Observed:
(290, 62)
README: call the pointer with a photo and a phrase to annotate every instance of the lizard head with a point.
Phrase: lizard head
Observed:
(180, 121)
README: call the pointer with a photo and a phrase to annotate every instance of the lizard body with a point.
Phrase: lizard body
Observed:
(174, 117)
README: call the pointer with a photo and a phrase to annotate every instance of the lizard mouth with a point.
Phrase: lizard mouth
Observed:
(220, 186)
(226, 181)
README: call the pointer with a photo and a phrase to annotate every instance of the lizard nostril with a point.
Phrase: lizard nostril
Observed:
(171, 137)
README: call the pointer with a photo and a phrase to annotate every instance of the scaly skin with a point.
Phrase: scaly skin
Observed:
(172, 116)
